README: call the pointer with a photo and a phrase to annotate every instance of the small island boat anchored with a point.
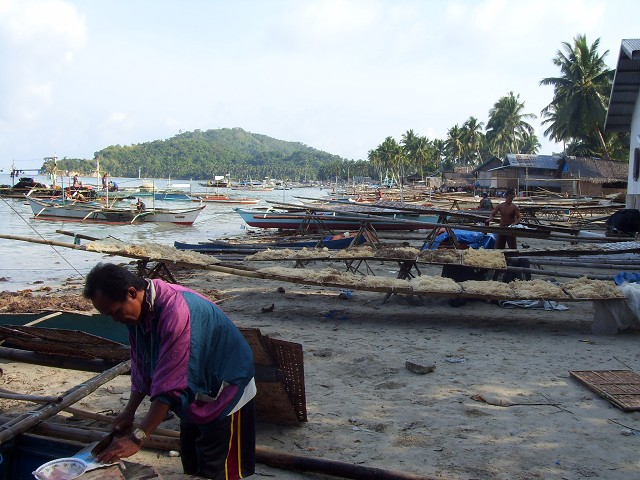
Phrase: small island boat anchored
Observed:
(98, 214)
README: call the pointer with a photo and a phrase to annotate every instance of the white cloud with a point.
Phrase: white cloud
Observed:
(117, 117)
(340, 75)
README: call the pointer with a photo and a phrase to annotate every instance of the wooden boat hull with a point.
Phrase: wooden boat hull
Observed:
(172, 197)
(332, 221)
(82, 213)
(222, 247)
(227, 199)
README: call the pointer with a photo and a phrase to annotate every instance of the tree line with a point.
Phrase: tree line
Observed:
(575, 118)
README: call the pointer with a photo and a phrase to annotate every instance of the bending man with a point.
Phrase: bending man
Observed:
(187, 356)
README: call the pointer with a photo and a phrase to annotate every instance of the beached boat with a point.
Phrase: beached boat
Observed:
(226, 199)
(334, 220)
(331, 242)
(98, 214)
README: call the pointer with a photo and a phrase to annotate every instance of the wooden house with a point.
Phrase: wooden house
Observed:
(522, 172)
(623, 114)
(553, 173)
(592, 176)
(484, 179)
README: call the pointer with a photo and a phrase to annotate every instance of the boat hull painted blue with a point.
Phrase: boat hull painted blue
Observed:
(215, 247)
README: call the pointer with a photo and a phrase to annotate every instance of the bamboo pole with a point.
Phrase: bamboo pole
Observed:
(164, 432)
(555, 273)
(29, 398)
(86, 364)
(583, 264)
(546, 233)
(89, 435)
(28, 420)
(42, 319)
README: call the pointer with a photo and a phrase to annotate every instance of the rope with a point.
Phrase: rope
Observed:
(40, 236)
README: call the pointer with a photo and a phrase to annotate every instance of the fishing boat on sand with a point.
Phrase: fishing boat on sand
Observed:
(98, 214)
(333, 242)
(334, 220)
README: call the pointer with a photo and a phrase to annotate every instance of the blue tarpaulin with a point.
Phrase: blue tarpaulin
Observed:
(472, 239)
(626, 277)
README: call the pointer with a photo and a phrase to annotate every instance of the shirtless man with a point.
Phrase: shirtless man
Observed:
(509, 215)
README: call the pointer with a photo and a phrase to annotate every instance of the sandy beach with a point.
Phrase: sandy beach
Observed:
(500, 403)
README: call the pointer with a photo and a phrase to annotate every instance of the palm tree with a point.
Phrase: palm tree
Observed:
(422, 153)
(409, 142)
(393, 156)
(580, 94)
(473, 138)
(439, 153)
(530, 144)
(507, 129)
(454, 144)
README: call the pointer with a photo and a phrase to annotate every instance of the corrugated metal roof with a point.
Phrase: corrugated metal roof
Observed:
(624, 92)
(549, 162)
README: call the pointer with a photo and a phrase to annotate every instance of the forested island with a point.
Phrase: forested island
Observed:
(204, 154)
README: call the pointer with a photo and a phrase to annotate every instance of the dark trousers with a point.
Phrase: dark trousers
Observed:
(221, 450)
(506, 240)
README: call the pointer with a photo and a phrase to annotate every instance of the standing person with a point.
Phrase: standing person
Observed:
(485, 202)
(104, 181)
(509, 215)
(189, 358)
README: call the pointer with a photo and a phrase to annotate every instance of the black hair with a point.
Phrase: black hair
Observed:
(112, 280)
(510, 191)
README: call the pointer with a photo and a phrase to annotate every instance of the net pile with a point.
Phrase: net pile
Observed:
(153, 251)
(537, 289)
(408, 253)
(355, 252)
(488, 288)
(441, 256)
(586, 288)
(484, 258)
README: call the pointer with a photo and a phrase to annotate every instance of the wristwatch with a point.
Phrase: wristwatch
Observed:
(138, 435)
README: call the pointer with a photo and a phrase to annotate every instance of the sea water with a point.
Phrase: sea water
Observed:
(25, 265)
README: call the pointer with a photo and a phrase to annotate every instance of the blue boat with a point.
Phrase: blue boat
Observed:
(173, 196)
(330, 242)
(334, 220)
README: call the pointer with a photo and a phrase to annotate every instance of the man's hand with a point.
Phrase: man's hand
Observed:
(121, 447)
(123, 422)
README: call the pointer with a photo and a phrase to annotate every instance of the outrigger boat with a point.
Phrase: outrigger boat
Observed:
(335, 242)
(99, 214)
(335, 220)
(226, 199)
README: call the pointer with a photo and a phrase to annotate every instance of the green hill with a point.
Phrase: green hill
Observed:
(201, 155)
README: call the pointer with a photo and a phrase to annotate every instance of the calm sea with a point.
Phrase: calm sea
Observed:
(23, 263)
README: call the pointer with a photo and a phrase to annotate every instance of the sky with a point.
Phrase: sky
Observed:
(337, 75)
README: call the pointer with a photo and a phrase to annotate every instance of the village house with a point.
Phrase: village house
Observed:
(556, 173)
(623, 114)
